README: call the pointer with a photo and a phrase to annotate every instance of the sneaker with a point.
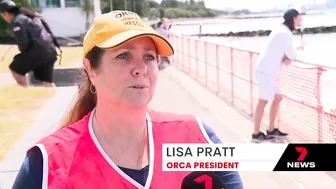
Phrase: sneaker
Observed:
(277, 133)
(260, 137)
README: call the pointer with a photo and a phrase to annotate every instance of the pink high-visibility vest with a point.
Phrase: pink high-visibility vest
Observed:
(74, 159)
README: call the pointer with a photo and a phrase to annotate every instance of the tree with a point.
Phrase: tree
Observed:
(87, 9)
(4, 27)
(167, 8)
(153, 14)
(169, 3)
(141, 7)
(162, 13)
(153, 4)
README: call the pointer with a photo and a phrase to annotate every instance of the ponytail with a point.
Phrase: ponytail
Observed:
(29, 13)
(85, 103)
(289, 24)
(87, 100)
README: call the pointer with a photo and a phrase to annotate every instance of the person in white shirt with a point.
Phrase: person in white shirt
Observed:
(163, 31)
(279, 51)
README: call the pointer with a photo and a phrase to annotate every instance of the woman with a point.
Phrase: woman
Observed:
(35, 42)
(164, 33)
(279, 51)
(110, 138)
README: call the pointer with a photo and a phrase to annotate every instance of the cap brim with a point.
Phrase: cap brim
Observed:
(163, 46)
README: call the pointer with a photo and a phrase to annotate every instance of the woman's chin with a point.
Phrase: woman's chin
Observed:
(138, 102)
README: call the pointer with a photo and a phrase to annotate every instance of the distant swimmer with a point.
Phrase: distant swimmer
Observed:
(279, 51)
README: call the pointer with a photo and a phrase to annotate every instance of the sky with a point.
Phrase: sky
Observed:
(253, 5)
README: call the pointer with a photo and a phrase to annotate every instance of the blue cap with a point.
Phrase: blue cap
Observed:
(290, 14)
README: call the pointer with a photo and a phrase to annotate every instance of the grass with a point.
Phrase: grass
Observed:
(71, 57)
(18, 107)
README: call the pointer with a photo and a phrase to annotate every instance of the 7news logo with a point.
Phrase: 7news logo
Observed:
(300, 163)
(202, 180)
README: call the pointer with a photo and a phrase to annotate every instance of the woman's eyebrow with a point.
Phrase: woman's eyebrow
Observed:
(132, 48)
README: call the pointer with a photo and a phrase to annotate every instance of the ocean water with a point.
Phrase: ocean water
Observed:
(223, 25)
(319, 48)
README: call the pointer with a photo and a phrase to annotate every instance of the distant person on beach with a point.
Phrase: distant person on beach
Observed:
(36, 43)
(279, 51)
(167, 23)
(164, 32)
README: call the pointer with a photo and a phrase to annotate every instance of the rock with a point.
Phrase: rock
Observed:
(313, 30)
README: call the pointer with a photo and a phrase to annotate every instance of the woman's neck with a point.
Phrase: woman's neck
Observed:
(123, 135)
(121, 121)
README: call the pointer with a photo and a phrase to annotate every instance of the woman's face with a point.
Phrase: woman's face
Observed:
(127, 75)
(6, 16)
(297, 21)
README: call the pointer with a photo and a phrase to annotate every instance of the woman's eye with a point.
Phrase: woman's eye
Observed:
(149, 57)
(124, 56)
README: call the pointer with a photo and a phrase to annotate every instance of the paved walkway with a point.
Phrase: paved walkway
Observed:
(176, 92)
(6, 78)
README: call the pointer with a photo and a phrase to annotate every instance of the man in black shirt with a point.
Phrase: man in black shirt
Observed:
(37, 49)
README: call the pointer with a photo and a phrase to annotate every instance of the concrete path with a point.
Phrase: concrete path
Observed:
(6, 78)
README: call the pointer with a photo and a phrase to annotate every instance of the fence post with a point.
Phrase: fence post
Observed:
(232, 75)
(183, 55)
(174, 45)
(200, 31)
(205, 64)
(189, 56)
(177, 51)
(251, 83)
(171, 40)
(319, 105)
(196, 58)
(217, 70)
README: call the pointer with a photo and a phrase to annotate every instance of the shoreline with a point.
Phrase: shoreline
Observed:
(260, 33)
(269, 15)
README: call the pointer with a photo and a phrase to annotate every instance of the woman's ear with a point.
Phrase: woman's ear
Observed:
(88, 69)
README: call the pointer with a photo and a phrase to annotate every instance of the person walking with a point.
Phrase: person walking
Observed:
(279, 51)
(35, 41)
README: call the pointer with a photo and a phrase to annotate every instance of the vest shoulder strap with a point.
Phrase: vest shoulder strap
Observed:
(158, 116)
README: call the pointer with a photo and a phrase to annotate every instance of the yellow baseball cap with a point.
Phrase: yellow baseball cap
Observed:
(116, 27)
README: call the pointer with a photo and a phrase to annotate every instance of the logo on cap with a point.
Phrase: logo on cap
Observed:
(130, 18)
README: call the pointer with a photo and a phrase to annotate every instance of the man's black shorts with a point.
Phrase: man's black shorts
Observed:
(42, 67)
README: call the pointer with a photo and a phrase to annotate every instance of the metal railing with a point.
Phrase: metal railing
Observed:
(228, 72)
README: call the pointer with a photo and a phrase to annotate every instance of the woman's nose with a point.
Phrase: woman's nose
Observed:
(140, 69)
